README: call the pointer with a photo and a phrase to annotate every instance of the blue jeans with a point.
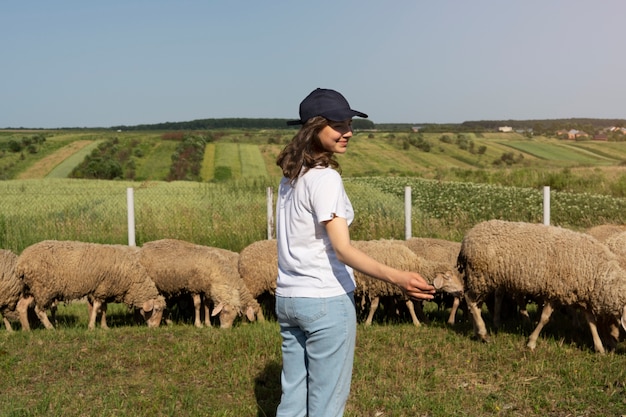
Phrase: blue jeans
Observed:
(319, 336)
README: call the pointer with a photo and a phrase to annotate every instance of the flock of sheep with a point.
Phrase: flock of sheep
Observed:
(554, 267)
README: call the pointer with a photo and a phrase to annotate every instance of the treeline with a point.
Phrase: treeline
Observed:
(230, 123)
(545, 127)
(538, 127)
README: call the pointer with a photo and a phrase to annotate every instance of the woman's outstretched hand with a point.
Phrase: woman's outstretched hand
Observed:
(415, 286)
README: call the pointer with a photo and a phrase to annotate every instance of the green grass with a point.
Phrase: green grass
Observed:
(252, 163)
(207, 173)
(64, 169)
(436, 370)
(556, 152)
(227, 161)
(156, 160)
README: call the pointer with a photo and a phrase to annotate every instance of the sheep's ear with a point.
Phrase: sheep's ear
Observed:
(623, 320)
(438, 283)
(147, 306)
(250, 313)
(217, 309)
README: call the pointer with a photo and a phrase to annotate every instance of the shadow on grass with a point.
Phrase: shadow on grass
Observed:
(267, 389)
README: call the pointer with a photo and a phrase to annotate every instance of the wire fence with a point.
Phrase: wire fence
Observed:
(233, 214)
(222, 215)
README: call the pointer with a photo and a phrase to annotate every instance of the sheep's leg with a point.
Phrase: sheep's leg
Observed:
(103, 317)
(43, 317)
(22, 309)
(207, 311)
(593, 326)
(373, 307)
(546, 312)
(614, 332)
(93, 308)
(523, 310)
(411, 306)
(7, 323)
(53, 311)
(197, 304)
(497, 308)
(480, 330)
(455, 306)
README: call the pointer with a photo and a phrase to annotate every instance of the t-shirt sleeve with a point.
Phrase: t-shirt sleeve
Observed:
(328, 197)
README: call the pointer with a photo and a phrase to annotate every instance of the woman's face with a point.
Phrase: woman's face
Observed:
(335, 136)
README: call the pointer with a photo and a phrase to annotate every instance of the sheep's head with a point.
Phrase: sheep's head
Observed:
(152, 311)
(449, 282)
(227, 314)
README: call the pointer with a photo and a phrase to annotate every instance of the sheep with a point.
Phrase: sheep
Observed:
(617, 244)
(14, 303)
(178, 267)
(561, 267)
(56, 271)
(258, 267)
(442, 251)
(399, 256)
(605, 231)
(446, 252)
(248, 302)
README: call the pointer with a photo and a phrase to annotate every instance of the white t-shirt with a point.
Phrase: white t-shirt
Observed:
(307, 264)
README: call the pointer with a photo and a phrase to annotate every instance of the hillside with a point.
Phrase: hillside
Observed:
(233, 154)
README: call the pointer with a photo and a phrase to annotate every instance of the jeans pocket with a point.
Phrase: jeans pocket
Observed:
(310, 309)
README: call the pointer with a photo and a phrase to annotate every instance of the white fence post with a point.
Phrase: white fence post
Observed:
(270, 213)
(130, 202)
(408, 204)
(546, 205)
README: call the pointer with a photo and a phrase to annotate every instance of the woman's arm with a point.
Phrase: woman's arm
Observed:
(411, 282)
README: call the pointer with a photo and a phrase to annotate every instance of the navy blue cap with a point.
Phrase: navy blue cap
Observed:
(327, 103)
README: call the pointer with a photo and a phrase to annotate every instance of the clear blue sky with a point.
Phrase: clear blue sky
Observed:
(105, 63)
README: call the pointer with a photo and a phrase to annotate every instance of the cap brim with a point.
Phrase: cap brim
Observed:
(294, 122)
(344, 115)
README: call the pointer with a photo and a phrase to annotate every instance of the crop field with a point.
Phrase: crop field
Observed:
(560, 153)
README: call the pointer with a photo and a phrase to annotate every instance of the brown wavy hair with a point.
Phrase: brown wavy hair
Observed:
(305, 151)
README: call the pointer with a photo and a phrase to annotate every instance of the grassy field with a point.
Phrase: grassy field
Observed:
(436, 370)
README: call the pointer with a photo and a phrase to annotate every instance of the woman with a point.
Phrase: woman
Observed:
(315, 287)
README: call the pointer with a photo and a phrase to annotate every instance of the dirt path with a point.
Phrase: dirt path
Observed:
(42, 167)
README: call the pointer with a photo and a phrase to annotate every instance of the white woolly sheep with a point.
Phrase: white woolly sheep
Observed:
(444, 252)
(249, 303)
(556, 265)
(178, 267)
(605, 231)
(14, 303)
(56, 271)
(258, 267)
(399, 256)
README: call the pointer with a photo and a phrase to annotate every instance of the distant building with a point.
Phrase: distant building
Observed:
(505, 129)
(574, 134)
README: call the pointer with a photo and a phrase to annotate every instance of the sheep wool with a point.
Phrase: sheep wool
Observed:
(561, 267)
(178, 267)
(441, 254)
(68, 270)
(400, 257)
(13, 302)
(258, 267)
(603, 232)
(249, 304)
